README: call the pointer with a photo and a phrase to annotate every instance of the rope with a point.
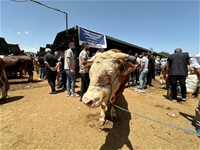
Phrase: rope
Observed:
(157, 121)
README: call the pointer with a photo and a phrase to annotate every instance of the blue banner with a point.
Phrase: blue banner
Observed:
(94, 39)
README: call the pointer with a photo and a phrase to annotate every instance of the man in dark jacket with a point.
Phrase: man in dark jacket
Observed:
(63, 79)
(51, 64)
(151, 68)
(177, 70)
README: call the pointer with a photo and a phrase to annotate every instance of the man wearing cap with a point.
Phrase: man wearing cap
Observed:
(51, 64)
(195, 63)
(70, 70)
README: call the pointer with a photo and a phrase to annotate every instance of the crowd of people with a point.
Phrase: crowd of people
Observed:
(59, 70)
(145, 70)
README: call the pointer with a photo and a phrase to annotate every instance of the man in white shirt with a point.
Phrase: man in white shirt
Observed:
(83, 57)
(143, 73)
(69, 66)
(195, 63)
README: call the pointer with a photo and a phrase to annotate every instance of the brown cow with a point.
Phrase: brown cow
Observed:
(4, 85)
(109, 74)
(19, 63)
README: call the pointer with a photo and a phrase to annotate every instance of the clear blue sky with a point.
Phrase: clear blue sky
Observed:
(162, 25)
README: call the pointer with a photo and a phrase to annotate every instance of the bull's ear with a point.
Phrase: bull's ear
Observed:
(93, 58)
(121, 56)
(130, 68)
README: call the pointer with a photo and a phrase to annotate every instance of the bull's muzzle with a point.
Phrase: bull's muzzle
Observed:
(88, 102)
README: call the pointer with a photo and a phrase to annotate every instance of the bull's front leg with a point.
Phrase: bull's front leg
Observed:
(30, 73)
(113, 115)
(161, 79)
(102, 118)
(4, 93)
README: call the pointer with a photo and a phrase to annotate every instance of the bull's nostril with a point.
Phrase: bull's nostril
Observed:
(90, 103)
(87, 102)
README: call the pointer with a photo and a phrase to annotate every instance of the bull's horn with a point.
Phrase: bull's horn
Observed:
(121, 56)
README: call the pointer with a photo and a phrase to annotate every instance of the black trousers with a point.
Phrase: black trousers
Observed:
(51, 77)
(150, 76)
(137, 74)
(173, 82)
(85, 81)
(63, 80)
(132, 74)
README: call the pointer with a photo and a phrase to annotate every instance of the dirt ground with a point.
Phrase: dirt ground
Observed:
(32, 119)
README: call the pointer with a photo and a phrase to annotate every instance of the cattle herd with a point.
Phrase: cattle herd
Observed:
(12, 65)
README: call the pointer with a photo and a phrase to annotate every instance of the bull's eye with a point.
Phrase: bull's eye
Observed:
(109, 75)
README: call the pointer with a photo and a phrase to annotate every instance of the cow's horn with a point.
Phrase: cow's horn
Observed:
(121, 56)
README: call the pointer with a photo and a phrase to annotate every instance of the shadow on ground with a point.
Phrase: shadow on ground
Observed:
(23, 82)
(10, 99)
(188, 117)
(117, 136)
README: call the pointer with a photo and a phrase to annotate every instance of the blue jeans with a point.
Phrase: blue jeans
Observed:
(42, 72)
(143, 78)
(71, 78)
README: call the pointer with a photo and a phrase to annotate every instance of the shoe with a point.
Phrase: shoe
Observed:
(136, 90)
(59, 87)
(174, 100)
(68, 95)
(184, 99)
(141, 91)
(53, 92)
(75, 95)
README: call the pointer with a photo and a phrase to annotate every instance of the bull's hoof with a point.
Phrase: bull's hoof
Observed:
(3, 98)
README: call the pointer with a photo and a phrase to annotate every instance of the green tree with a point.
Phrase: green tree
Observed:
(166, 54)
(30, 53)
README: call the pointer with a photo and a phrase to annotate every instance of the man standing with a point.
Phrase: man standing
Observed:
(51, 64)
(132, 60)
(151, 68)
(83, 57)
(143, 73)
(137, 73)
(195, 63)
(42, 67)
(70, 70)
(177, 70)
(56, 54)
(63, 79)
